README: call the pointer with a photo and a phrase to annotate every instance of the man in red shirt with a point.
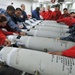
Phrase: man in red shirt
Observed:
(3, 34)
(48, 14)
(69, 21)
(56, 14)
(65, 14)
(43, 13)
(68, 53)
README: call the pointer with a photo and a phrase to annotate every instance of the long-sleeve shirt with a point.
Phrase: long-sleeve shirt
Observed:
(36, 15)
(48, 15)
(64, 15)
(11, 24)
(43, 13)
(69, 21)
(3, 35)
(56, 15)
(69, 52)
(18, 19)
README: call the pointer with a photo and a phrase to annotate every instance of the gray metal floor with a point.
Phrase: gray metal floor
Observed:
(6, 70)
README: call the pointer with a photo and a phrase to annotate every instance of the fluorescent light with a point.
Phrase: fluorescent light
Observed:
(40, 0)
(68, 2)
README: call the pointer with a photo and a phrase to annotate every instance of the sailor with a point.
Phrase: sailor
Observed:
(69, 21)
(3, 34)
(17, 18)
(43, 13)
(65, 13)
(24, 14)
(56, 14)
(48, 14)
(11, 26)
(36, 13)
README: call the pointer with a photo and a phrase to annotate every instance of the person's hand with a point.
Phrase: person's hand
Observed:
(50, 52)
(20, 26)
(7, 42)
(21, 16)
(55, 53)
(22, 33)
(15, 33)
(57, 38)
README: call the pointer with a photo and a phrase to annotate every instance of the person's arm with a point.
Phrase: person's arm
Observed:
(69, 52)
(23, 26)
(13, 25)
(60, 20)
(36, 16)
(4, 40)
(65, 38)
(7, 33)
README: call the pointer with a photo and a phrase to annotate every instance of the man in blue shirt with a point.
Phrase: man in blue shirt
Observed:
(17, 18)
(36, 14)
(24, 14)
(9, 12)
